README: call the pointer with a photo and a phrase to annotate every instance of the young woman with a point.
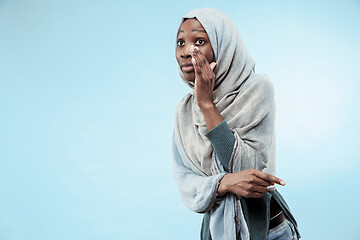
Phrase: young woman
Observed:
(224, 139)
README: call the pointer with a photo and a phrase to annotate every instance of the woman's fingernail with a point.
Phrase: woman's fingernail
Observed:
(282, 183)
(193, 60)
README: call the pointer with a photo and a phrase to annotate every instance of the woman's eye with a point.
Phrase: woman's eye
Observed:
(180, 43)
(200, 41)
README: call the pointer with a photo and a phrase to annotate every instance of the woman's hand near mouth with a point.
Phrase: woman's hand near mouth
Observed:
(204, 78)
(204, 86)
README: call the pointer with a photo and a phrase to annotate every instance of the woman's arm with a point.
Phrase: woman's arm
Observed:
(219, 134)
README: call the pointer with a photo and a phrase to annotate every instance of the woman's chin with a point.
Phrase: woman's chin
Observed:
(190, 77)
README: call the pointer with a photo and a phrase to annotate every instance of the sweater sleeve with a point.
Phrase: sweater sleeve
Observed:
(223, 141)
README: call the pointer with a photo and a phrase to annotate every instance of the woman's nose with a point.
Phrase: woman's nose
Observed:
(186, 53)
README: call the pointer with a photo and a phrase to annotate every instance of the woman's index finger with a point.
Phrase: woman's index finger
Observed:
(270, 178)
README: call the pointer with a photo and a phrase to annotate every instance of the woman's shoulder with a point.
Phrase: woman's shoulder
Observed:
(261, 83)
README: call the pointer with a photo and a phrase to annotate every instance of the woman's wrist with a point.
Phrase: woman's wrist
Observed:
(223, 187)
(206, 105)
(211, 114)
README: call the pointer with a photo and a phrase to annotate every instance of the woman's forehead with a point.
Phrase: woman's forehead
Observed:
(191, 24)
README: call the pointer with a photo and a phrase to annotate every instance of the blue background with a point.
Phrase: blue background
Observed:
(88, 91)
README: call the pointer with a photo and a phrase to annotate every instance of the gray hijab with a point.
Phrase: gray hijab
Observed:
(244, 99)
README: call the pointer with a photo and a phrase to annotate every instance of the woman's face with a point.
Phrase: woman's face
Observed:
(192, 34)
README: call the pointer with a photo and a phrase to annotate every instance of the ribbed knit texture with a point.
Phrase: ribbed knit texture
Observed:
(223, 141)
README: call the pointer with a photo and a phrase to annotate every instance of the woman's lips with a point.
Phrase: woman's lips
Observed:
(187, 67)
